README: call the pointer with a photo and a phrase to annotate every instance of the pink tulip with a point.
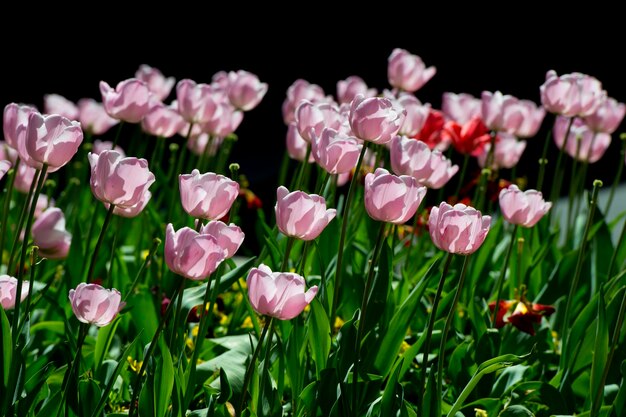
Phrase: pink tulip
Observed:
(118, 180)
(8, 291)
(507, 154)
(129, 101)
(57, 104)
(43, 203)
(301, 215)
(523, 208)
(24, 178)
(105, 145)
(416, 114)
(411, 157)
(134, 210)
(312, 118)
(335, 152)
(532, 116)
(572, 94)
(50, 235)
(582, 143)
(607, 117)
(296, 146)
(408, 72)
(198, 143)
(443, 170)
(207, 196)
(51, 140)
(94, 118)
(298, 91)
(392, 199)
(228, 121)
(94, 304)
(278, 294)
(375, 119)
(198, 103)
(5, 166)
(461, 108)
(501, 112)
(191, 254)
(458, 229)
(220, 81)
(7, 153)
(158, 84)
(229, 237)
(162, 121)
(349, 88)
(15, 122)
(246, 90)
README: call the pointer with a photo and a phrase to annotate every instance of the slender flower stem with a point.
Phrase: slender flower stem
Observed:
(302, 262)
(342, 238)
(96, 250)
(449, 319)
(284, 167)
(157, 150)
(323, 182)
(20, 271)
(155, 245)
(620, 241)
(555, 191)
(429, 330)
(466, 158)
(29, 297)
(7, 204)
(543, 161)
(153, 343)
(118, 133)
(500, 282)
(179, 306)
(304, 169)
(178, 170)
(413, 233)
(597, 184)
(285, 264)
(618, 175)
(248, 375)
(205, 154)
(224, 153)
(369, 286)
(74, 367)
(481, 192)
(20, 222)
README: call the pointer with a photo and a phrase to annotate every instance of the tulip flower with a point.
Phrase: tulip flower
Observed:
(198, 143)
(458, 229)
(607, 117)
(375, 119)
(197, 103)
(312, 118)
(278, 294)
(228, 121)
(129, 101)
(8, 291)
(431, 133)
(571, 95)
(390, 198)
(408, 72)
(501, 112)
(411, 157)
(229, 237)
(94, 304)
(461, 108)
(582, 143)
(532, 116)
(301, 215)
(524, 315)
(51, 140)
(336, 152)
(443, 170)
(15, 122)
(4, 167)
(162, 121)
(469, 138)
(118, 180)
(298, 91)
(105, 145)
(507, 154)
(523, 208)
(191, 254)
(296, 146)
(416, 115)
(245, 90)
(352, 86)
(157, 83)
(50, 236)
(207, 196)
(94, 118)
(56, 104)
(134, 210)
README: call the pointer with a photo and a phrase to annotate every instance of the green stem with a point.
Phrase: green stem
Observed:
(224, 153)
(248, 374)
(429, 330)
(155, 245)
(22, 218)
(266, 361)
(96, 250)
(618, 175)
(285, 264)
(555, 191)
(342, 238)
(205, 154)
(118, 134)
(449, 319)
(7, 204)
(284, 167)
(500, 282)
(29, 297)
(369, 285)
(619, 243)
(74, 366)
(156, 151)
(466, 158)
(304, 168)
(543, 161)
(179, 307)
(413, 234)
(178, 170)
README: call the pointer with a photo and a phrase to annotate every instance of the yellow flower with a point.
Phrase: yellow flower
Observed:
(480, 413)
(338, 324)
(404, 347)
(134, 365)
(247, 323)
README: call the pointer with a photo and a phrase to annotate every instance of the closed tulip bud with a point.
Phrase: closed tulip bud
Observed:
(501, 112)
(335, 152)
(229, 237)
(245, 90)
(461, 108)
(416, 114)
(94, 118)
(5, 166)
(582, 144)
(443, 170)
(15, 122)
(523, 208)
(572, 94)
(390, 198)
(197, 103)
(532, 116)
(207, 196)
(349, 88)
(312, 118)
(458, 229)
(296, 146)
(508, 152)
(375, 119)
(408, 72)
(8, 291)
(105, 145)
(411, 157)
(280, 295)
(162, 121)
(301, 215)
(94, 304)
(190, 254)
(50, 236)
(129, 101)
(57, 104)
(118, 180)
(607, 117)
(298, 91)
(158, 84)
(51, 140)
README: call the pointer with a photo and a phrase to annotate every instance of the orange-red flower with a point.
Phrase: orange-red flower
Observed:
(469, 138)
(523, 316)
(432, 129)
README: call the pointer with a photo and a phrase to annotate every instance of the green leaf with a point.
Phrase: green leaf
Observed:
(88, 391)
(319, 335)
(516, 411)
(600, 353)
(392, 396)
(57, 327)
(163, 381)
(226, 390)
(6, 344)
(103, 342)
(508, 379)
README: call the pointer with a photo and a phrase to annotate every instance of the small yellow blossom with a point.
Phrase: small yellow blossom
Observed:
(247, 323)
(480, 412)
(134, 364)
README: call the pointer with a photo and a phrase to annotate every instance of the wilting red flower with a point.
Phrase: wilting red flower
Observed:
(469, 138)
(252, 201)
(523, 316)
(432, 129)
